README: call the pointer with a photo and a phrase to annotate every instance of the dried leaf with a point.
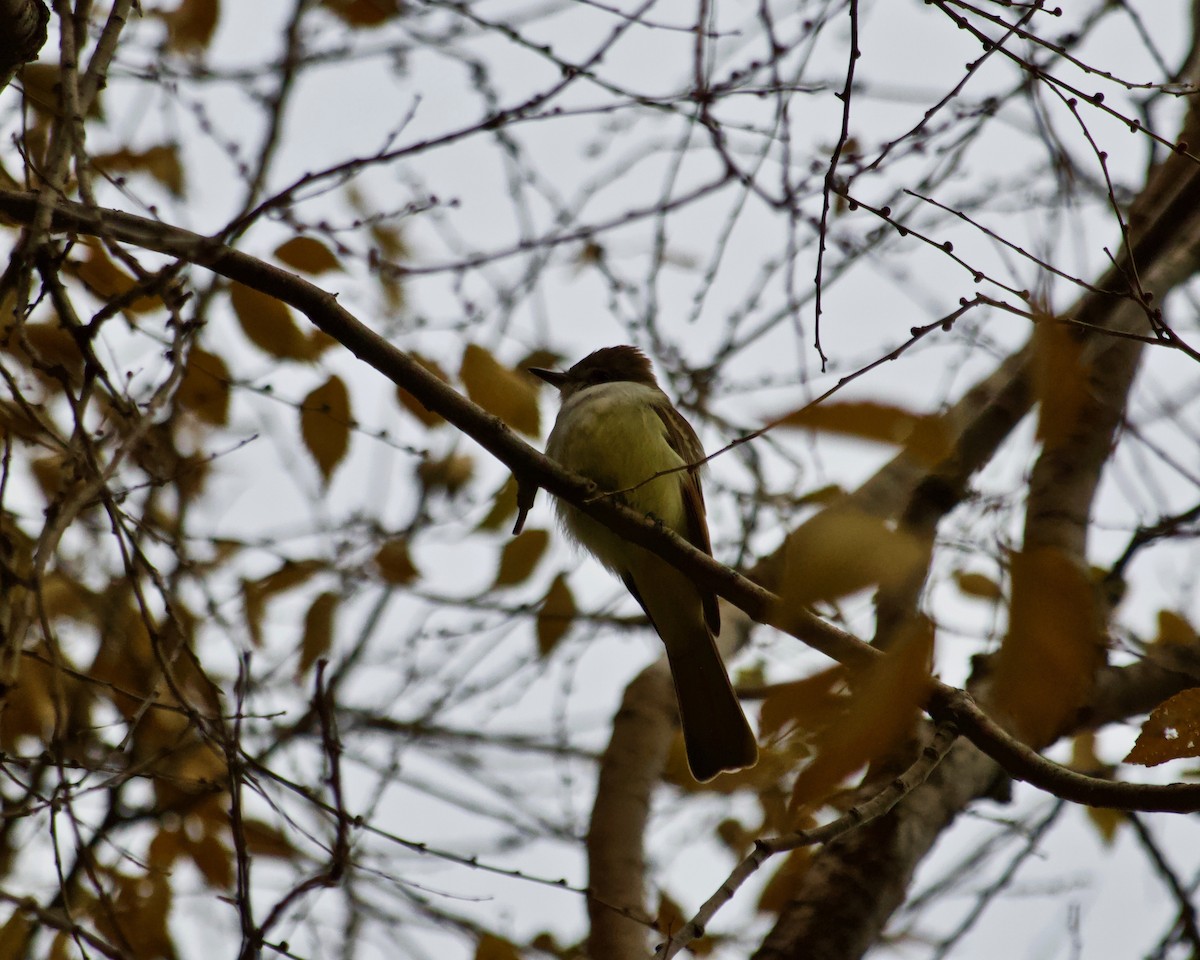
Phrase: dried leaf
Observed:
(1174, 629)
(520, 556)
(394, 563)
(325, 425)
(268, 324)
(841, 551)
(879, 715)
(192, 24)
(160, 162)
(491, 947)
(1107, 822)
(808, 704)
(670, 916)
(1171, 732)
(447, 474)
(307, 254)
(504, 505)
(364, 13)
(264, 840)
(926, 437)
(412, 404)
(109, 282)
(977, 585)
(781, 889)
(256, 593)
(511, 395)
(1047, 662)
(318, 631)
(137, 916)
(555, 615)
(204, 387)
(212, 858)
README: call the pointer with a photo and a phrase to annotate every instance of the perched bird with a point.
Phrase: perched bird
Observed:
(617, 428)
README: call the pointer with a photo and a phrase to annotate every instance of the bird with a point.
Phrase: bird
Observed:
(617, 427)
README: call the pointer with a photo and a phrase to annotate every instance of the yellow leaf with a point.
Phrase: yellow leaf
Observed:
(1171, 732)
(1046, 664)
(977, 585)
(213, 859)
(14, 936)
(841, 551)
(263, 840)
(268, 324)
(555, 615)
(318, 631)
(108, 281)
(1107, 821)
(1174, 629)
(1060, 379)
(926, 437)
(256, 593)
(307, 254)
(808, 704)
(138, 915)
(491, 947)
(504, 505)
(882, 709)
(509, 394)
(520, 556)
(364, 13)
(412, 404)
(204, 388)
(670, 916)
(394, 562)
(325, 424)
(46, 348)
(160, 162)
(192, 24)
(781, 889)
(447, 474)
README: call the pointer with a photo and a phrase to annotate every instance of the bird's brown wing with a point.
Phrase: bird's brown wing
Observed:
(683, 440)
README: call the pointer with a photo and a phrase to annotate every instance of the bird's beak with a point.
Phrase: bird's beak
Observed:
(556, 378)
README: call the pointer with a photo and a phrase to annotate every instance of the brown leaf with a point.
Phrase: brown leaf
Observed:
(1107, 822)
(504, 505)
(520, 556)
(491, 947)
(926, 437)
(394, 562)
(808, 704)
(256, 593)
(509, 394)
(325, 425)
(307, 254)
(364, 13)
(192, 24)
(1047, 662)
(204, 388)
(447, 474)
(670, 916)
(268, 324)
(1171, 732)
(841, 551)
(264, 840)
(318, 631)
(1174, 629)
(555, 615)
(108, 281)
(880, 714)
(977, 585)
(160, 162)
(212, 858)
(412, 404)
(137, 916)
